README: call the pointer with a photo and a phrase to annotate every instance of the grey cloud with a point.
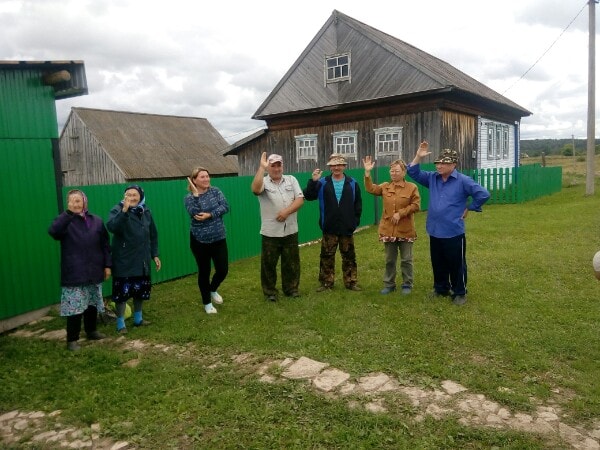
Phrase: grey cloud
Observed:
(554, 13)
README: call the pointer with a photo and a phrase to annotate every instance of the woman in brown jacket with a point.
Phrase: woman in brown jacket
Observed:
(397, 231)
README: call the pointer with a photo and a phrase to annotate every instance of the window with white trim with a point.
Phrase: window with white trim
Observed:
(344, 142)
(387, 141)
(497, 141)
(337, 68)
(306, 147)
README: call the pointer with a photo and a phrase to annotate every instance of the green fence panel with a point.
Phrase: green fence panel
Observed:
(29, 271)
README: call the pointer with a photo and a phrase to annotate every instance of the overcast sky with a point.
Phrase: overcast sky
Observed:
(221, 59)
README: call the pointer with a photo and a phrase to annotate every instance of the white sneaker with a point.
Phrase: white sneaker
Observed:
(210, 309)
(216, 298)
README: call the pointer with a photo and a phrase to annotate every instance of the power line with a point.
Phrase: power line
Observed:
(243, 132)
(547, 50)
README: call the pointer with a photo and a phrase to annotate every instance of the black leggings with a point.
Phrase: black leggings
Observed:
(90, 316)
(204, 254)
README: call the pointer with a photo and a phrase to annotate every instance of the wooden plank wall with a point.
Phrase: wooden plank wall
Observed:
(83, 161)
(443, 129)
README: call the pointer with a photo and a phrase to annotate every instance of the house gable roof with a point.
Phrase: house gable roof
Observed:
(381, 67)
(151, 146)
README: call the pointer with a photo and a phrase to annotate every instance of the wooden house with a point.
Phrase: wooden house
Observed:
(358, 91)
(107, 147)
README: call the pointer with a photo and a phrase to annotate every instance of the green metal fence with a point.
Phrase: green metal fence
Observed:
(518, 185)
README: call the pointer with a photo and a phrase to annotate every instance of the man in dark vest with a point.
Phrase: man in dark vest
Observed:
(340, 207)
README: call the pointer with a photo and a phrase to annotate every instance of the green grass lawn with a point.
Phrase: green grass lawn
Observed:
(529, 334)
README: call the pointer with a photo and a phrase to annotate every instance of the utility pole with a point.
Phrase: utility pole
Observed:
(591, 116)
(574, 160)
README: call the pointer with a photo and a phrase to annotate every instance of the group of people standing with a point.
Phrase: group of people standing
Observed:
(88, 258)
(280, 197)
(340, 208)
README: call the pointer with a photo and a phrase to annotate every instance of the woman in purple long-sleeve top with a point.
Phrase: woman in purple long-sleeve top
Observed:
(85, 264)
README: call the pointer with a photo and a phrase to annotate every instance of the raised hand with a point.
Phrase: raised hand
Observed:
(263, 161)
(423, 150)
(126, 203)
(316, 174)
(368, 163)
(193, 187)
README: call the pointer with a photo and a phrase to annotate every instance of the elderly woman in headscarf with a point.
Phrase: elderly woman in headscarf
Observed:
(85, 264)
(134, 247)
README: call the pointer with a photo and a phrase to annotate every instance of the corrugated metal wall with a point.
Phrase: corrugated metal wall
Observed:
(29, 276)
(27, 108)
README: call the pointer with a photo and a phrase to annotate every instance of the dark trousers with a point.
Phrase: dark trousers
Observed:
(329, 245)
(449, 264)
(90, 316)
(215, 252)
(286, 248)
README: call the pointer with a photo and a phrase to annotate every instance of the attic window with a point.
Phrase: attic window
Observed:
(337, 68)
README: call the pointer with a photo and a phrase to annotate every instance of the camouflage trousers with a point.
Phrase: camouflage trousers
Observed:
(285, 248)
(329, 245)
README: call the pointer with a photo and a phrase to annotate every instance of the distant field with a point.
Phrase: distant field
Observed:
(572, 166)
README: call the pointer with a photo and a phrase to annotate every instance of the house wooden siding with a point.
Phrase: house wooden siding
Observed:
(486, 162)
(443, 129)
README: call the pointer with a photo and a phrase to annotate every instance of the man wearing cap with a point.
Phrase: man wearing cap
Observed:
(340, 207)
(280, 197)
(449, 191)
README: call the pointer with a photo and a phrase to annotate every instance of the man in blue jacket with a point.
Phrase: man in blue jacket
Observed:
(340, 207)
(449, 191)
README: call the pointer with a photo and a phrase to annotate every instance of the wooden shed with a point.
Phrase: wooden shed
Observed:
(358, 91)
(106, 147)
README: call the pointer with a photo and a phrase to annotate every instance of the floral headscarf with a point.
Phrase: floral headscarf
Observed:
(83, 196)
(84, 211)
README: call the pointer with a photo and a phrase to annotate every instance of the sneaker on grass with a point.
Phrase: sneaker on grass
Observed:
(216, 298)
(210, 309)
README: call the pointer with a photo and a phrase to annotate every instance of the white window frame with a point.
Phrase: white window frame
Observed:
(306, 147)
(505, 142)
(335, 72)
(498, 141)
(345, 143)
(388, 137)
